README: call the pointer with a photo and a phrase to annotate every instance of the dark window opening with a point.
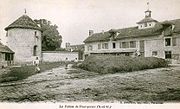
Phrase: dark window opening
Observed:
(168, 42)
(168, 54)
(114, 45)
(8, 57)
(154, 53)
(35, 50)
(35, 33)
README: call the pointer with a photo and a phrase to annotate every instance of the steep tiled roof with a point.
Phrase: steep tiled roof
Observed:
(135, 32)
(5, 49)
(177, 25)
(23, 22)
(132, 32)
(98, 37)
(168, 28)
(146, 19)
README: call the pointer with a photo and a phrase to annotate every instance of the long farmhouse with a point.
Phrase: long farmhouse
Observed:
(149, 38)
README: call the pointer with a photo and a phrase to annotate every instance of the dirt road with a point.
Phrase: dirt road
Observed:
(59, 84)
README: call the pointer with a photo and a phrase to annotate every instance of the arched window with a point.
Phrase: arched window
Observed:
(35, 50)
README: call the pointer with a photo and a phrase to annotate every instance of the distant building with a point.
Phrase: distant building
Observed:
(24, 38)
(149, 38)
(68, 46)
(6, 56)
(76, 48)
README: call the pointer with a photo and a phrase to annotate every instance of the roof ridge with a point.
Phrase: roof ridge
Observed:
(5, 48)
(23, 22)
(173, 20)
(128, 27)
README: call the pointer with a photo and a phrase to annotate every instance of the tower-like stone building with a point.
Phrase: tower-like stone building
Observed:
(24, 38)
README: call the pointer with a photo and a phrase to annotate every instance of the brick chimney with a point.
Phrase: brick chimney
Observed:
(91, 32)
(102, 31)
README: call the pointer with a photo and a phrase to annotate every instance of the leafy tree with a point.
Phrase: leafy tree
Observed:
(51, 39)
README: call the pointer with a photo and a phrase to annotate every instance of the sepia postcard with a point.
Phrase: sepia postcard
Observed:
(89, 54)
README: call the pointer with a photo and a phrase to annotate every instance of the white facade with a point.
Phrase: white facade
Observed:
(149, 39)
(154, 46)
(109, 48)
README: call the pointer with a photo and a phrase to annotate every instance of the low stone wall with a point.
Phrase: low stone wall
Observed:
(56, 56)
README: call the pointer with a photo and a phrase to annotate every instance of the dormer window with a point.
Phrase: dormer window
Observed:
(117, 33)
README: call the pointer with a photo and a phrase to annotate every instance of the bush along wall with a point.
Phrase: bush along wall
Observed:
(113, 64)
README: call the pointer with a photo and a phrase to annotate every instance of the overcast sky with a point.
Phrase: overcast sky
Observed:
(75, 17)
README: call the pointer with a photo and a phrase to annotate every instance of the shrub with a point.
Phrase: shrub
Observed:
(19, 73)
(113, 64)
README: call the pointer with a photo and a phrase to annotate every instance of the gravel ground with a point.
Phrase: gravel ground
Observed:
(60, 84)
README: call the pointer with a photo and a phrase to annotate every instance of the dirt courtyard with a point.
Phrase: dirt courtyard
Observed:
(61, 85)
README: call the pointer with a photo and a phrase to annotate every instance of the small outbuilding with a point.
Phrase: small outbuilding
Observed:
(6, 56)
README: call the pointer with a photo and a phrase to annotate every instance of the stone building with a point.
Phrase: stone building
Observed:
(76, 48)
(149, 38)
(24, 38)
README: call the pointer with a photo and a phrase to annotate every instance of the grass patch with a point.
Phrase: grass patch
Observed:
(19, 73)
(113, 64)
(81, 74)
(169, 95)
